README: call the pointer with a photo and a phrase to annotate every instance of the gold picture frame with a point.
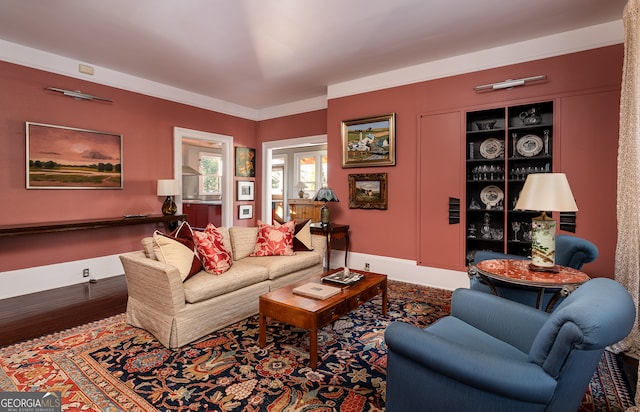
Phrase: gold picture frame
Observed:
(60, 157)
(369, 141)
(368, 191)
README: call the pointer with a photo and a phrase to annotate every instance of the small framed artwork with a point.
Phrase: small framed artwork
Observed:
(369, 141)
(60, 157)
(245, 212)
(245, 190)
(368, 191)
(245, 162)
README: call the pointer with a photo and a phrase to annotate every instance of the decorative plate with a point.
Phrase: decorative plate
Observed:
(491, 148)
(491, 195)
(529, 145)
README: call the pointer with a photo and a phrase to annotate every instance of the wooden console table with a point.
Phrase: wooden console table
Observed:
(31, 229)
(332, 232)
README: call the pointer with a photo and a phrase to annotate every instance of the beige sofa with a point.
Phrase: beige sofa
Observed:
(177, 313)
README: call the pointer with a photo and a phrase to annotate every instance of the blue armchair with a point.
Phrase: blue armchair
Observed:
(507, 356)
(571, 251)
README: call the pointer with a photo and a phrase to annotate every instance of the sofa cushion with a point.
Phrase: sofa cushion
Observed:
(178, 249)
(215, 257)
(243, 241)
(274, 241)
(203, 285)
(279, 266)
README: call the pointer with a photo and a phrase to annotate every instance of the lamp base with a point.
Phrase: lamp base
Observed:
(324, 215)
(169, 207)
(551, 269)
(543, 242)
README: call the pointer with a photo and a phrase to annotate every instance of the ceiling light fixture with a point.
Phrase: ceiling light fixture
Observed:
(77, 94)
(509, 83)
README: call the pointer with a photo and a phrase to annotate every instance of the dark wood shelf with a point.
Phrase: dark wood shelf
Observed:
(30, 229)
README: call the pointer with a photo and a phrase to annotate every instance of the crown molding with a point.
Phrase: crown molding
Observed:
(592, 37)
(563, 43)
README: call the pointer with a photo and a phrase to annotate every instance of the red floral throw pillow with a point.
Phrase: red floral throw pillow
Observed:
(215, 257)
(274, 241)
(178, 249)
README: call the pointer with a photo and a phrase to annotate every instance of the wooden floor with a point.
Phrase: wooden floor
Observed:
(29, 316)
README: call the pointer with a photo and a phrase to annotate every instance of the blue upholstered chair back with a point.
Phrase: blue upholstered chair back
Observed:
(574, 252)
(571, 251)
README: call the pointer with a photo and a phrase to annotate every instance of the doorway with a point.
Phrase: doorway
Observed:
(226, 144)
(267, 155)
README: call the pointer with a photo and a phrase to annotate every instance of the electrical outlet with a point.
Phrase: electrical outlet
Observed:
(85, 273)
(366, 267)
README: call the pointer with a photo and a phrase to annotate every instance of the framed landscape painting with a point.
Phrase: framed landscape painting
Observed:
(368, 191)
(369, 141)
(61, 157)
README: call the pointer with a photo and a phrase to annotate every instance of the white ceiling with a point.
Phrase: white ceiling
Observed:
(264, 53)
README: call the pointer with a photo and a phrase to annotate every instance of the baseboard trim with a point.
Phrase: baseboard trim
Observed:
(37, 279)
(403, 270)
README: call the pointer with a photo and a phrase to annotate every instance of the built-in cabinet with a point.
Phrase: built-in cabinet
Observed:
(503, 146)
(201, 214)
(577, 135)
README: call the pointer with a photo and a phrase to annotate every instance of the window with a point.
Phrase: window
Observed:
(211, 170)
(277, 178)
(311, 169)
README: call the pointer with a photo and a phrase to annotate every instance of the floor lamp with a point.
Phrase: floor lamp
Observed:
(545, 192)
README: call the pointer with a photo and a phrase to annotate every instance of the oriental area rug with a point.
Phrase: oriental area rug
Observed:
(111, 366)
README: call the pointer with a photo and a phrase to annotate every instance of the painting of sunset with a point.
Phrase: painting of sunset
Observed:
(67, 158)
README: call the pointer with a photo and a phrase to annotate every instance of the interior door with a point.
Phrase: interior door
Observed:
(440, 244)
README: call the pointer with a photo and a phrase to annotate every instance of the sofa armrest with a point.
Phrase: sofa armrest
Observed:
(508, 377)
(153, 283)
(490, 313)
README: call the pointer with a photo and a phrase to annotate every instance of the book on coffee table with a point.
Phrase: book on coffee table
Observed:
(316, 290)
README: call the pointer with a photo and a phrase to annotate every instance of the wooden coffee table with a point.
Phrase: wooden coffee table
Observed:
(312, 314)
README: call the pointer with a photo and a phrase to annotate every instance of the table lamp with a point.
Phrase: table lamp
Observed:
(545, 192)
(301, 186)
(168, 188)
(325, 195)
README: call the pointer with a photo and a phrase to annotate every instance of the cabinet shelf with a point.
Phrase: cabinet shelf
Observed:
(486, 132)
(511, 140)
(529, 128)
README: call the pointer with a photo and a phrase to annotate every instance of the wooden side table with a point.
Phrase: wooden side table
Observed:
(332, 232)
(517, 272)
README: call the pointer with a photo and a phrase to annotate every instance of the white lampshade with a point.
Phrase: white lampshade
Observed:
(546, 192)
(168, 187)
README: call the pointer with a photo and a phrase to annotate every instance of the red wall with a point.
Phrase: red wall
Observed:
(394, 232)
(298, 125)
(146, 124)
